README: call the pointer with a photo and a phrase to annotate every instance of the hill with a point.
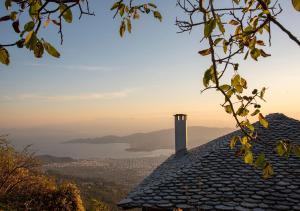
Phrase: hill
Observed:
(161, 139)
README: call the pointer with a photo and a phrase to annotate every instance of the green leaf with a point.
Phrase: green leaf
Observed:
(157, 15)
(208, 76)
(249, 125)
(209, 27)
(296, 4)
(242, 111)
(34, 8)
(281, 148)
(248, 157)
(252, 43)
(4, 56)
(29, 26)
(121, 9)
(51, 50)
(268, 171)
(263, 121)
(260, 161)
(216, 42)
(229, 94)
(115, 6)
(255, 112)
(228, 109)
(7, 4)
(152, 5)
(225, 87)
(236, 83)
(233, 141)
(66, 13)
(220, 24)
(255, 53)
(296, 150)
(248, 30)
(262, 93)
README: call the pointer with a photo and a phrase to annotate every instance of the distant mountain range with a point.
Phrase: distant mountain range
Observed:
(161, 139)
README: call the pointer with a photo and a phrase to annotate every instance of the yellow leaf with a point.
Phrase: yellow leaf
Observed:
(296, 150)
(281, 148)
(122, 28)
(157, 15)
(296, 4)
(234, 22)
(244, 140)
(129, 25)
(4, 56)
(268, 171)
(233, 141)
(248, 158)
(46, 23)
(28, 37)
(263, 121)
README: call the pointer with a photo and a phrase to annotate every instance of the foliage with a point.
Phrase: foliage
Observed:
(231, 31)
(24, 187)
(45, 12)
(130, 12)
(95, 187)
(99, 206)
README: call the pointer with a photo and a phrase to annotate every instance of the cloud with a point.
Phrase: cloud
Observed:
(88, 67)
(76, 67)
(79, 97)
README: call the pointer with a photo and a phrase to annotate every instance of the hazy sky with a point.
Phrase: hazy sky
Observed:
(138, 82)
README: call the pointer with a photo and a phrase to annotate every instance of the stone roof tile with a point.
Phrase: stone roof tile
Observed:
(210, 177)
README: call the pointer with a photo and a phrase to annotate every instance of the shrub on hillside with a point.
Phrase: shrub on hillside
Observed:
(23, 186)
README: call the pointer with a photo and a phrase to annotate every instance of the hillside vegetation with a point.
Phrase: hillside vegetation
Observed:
(23, 186)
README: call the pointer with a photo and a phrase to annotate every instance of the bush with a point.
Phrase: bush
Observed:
(23, 186)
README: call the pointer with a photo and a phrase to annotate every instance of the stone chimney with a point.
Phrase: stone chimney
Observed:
(180, 134)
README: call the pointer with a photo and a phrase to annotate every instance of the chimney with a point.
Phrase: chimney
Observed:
(180, 134)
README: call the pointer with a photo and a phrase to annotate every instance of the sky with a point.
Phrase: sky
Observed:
(124, 85)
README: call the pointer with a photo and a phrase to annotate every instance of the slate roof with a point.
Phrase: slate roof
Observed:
(210, 177)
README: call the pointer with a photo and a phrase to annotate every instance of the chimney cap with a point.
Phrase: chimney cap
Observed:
(180, 115)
